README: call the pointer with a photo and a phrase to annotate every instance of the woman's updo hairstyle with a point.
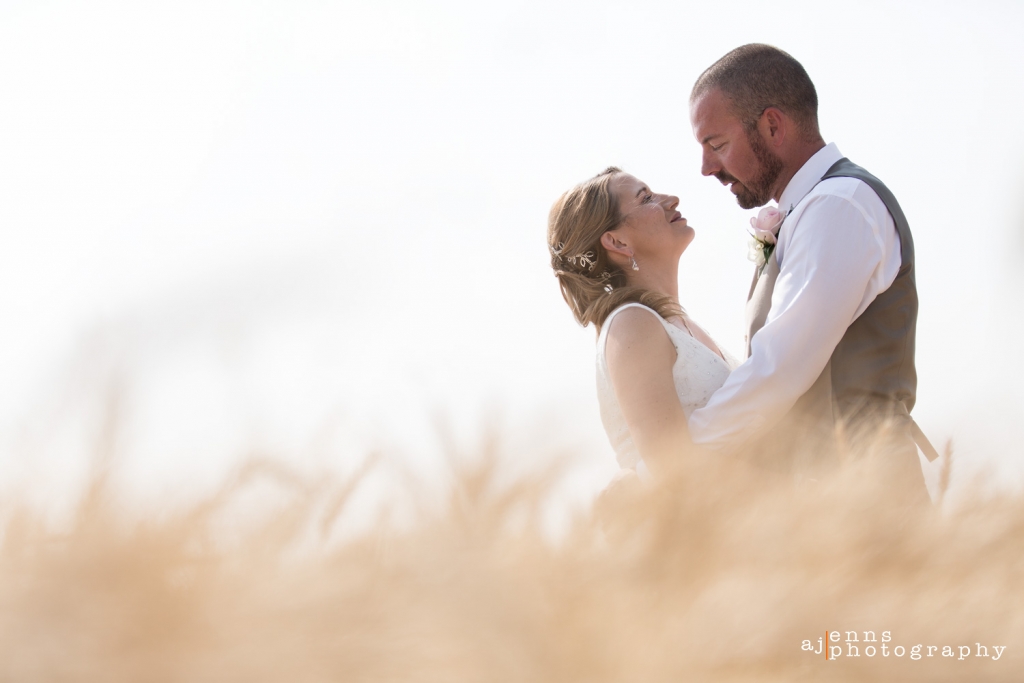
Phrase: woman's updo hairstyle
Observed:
(591, 284)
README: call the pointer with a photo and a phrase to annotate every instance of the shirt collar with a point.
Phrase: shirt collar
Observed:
(808, 176)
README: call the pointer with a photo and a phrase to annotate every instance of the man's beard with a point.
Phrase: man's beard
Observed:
(758, 191)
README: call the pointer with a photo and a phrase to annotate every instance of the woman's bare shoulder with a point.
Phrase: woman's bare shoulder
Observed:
(636, 329)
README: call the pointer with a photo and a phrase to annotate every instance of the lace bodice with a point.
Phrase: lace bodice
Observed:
(698, 372)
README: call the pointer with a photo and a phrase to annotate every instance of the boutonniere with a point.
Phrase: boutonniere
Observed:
(765, 234)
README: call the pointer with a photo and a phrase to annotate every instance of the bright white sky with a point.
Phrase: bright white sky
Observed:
(275, 217)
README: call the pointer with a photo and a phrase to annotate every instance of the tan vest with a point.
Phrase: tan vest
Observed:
(870, 376)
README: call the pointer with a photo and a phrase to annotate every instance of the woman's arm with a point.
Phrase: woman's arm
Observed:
(640, 357)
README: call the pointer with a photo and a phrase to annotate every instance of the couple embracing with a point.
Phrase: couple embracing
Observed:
(832, 309)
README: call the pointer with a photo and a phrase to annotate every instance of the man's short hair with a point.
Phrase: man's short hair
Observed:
(755, 77)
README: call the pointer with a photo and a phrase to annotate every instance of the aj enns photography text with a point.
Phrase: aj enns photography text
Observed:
(833, 646)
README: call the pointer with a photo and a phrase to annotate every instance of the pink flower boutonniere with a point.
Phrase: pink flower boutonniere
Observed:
(765, 234)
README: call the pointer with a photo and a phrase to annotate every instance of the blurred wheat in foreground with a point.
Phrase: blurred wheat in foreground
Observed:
(718, 574)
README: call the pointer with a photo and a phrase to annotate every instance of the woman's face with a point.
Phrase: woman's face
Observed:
(651, 226)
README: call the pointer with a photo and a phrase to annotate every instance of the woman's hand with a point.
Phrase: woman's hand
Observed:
(613, 503)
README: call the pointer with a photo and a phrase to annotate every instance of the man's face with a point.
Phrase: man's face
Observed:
(738, 158)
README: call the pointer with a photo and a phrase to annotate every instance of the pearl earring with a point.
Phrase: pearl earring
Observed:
(634, 266)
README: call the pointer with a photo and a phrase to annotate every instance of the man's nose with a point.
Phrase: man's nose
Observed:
(709, 164)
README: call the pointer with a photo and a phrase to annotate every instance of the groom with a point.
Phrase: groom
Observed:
(832, 312)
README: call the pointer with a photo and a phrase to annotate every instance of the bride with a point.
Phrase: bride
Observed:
(615, 247)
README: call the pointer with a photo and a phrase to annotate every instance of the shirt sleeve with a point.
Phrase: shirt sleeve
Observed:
(830, 266)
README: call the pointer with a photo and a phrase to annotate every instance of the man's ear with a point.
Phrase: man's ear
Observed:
(773, 126)
(613, 245)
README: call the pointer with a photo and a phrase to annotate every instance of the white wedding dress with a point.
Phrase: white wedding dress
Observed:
(698, 372)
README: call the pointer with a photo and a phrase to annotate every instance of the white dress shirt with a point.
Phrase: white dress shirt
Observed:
(837, 250)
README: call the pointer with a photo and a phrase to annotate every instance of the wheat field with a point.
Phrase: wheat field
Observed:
(716, 573)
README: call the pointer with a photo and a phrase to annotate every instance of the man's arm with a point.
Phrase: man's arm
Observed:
(833, 263)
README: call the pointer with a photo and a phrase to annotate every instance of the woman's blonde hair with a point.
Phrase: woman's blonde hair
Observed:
(591, 284)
